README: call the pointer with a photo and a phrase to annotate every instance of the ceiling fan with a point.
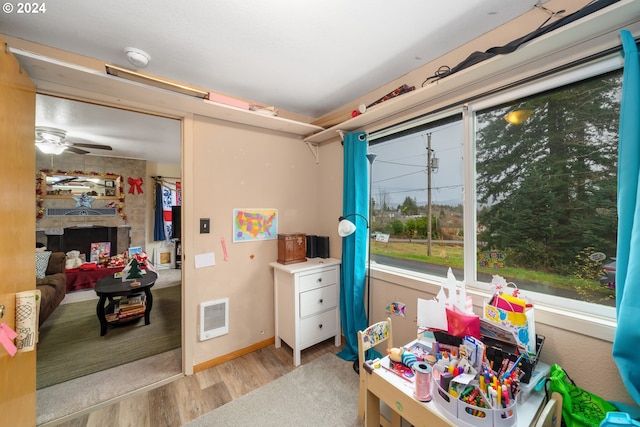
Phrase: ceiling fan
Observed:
(54, 141)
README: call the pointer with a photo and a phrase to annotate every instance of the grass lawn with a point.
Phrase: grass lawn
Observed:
(452, 256)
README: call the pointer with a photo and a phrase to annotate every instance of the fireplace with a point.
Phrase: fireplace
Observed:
(80, 239)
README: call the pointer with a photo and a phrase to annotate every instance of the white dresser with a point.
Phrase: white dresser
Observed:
(307, 303)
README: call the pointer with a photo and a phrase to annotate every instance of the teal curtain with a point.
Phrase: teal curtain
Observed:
(627, 336)
(355, 200)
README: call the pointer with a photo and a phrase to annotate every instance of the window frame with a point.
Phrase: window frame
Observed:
(578, 316)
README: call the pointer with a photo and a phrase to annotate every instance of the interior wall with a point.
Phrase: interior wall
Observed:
(235, 166)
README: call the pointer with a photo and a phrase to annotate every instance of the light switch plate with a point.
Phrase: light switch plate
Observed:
(204, 225)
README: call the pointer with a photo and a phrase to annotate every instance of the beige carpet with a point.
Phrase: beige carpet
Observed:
(321, 393)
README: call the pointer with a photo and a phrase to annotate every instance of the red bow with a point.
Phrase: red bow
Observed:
(136, 184)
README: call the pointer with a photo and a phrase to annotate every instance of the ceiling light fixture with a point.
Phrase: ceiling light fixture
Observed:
(50, 140)
(51, 148)
(139, 58)
(113, 70)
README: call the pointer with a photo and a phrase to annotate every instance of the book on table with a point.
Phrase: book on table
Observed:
(129, 306)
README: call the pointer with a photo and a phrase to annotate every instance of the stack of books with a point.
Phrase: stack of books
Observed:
(126, 307)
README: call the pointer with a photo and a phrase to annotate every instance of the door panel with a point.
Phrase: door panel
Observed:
(17, 217)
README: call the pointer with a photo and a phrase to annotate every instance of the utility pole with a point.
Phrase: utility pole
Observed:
(429, 194)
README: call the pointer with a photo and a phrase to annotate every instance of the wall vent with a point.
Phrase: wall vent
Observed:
(214, 318)
(83, 211)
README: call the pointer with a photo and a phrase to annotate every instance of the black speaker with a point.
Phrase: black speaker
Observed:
(176, 222)
(322, 246)
(311, 246)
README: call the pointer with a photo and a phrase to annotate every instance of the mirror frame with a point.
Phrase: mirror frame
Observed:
(106, 178)
(43, 193)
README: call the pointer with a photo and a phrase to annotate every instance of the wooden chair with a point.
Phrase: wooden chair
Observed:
(551, 415)
(367, 339)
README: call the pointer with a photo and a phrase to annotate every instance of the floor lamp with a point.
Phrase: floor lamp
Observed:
(346, 228)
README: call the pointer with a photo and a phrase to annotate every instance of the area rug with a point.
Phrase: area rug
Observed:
(323, 392)
(70, 345)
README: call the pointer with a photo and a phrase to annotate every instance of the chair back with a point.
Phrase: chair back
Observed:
(367, 339)
(551, 415)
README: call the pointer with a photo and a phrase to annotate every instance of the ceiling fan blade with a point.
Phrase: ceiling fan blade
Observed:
(77, 150)
(95, 146)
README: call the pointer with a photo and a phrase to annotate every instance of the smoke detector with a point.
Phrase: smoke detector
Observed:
(139, 58)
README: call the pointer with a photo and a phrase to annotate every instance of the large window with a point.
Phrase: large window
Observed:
(417, 183)
(543, 172)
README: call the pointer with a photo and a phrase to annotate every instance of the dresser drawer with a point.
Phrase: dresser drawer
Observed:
(320, 278)
(317, 300)
(315, 328)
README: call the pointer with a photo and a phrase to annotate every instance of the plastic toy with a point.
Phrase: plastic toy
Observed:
(402, 355)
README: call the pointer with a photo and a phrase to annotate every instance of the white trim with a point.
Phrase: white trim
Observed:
(583, 72)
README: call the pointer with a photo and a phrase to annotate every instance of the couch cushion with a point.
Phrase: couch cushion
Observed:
(42, 261)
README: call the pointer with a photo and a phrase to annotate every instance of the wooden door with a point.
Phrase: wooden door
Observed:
(17, 226)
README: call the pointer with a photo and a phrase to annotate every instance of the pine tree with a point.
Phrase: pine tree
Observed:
(547, 187)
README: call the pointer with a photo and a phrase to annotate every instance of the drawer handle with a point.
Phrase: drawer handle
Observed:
(319, 279)
(321, 300)
(320, 326)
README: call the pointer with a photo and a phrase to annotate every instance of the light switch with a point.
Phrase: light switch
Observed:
(204, 225)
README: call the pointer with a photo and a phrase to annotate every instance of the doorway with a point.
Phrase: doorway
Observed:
(139, 145)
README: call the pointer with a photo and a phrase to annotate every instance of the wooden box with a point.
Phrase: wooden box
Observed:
(292, 248)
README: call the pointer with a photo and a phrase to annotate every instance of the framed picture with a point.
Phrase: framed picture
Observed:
(98, 250)
(109, 183)
(135, 250)
(110, 192)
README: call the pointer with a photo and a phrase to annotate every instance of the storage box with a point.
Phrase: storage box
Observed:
(496, 351)
(466, 415)
(292, 248)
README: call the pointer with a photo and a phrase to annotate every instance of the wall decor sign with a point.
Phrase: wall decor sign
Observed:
(254, 224)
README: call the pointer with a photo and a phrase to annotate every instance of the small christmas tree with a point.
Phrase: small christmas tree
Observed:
(134, 271)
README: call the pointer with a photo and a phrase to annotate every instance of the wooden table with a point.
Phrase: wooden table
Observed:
(397, 393)
(109, 287)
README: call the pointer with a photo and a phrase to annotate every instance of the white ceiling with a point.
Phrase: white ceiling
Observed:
(301, 56)
(131, 135)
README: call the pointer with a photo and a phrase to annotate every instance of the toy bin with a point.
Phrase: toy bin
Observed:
(618, 419)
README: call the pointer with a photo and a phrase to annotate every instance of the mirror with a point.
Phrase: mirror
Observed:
(66, 184)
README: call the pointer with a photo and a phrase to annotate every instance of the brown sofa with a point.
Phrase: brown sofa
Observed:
(53, 287)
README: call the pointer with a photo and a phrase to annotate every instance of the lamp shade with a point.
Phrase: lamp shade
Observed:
(346, 228)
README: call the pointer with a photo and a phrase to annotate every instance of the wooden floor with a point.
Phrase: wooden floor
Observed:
(189, 397)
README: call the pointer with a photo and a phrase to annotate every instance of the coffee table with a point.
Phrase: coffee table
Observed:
(109, 287)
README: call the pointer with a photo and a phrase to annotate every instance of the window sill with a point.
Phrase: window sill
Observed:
(596, 326)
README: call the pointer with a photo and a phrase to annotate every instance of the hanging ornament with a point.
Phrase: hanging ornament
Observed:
(83, 200)
(136, 185)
